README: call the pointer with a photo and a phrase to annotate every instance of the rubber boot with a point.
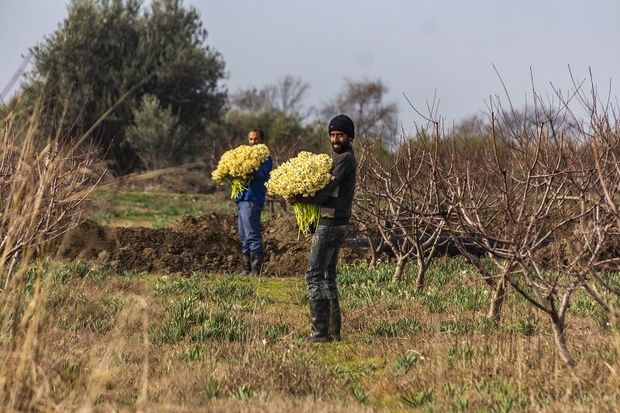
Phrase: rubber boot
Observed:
(319, 315)
(256, 263)
(246, 261)
(335, 319)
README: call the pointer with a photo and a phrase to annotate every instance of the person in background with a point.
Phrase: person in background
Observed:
(249, 206)
(335, 202)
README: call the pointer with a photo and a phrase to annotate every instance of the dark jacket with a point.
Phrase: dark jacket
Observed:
(256, 188)
(336, 199)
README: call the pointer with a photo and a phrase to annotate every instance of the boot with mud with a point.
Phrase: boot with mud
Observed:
(319, 315)
(335, 319)
(256, 263)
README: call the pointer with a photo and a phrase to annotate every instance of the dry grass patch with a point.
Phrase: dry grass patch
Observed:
(224, 343)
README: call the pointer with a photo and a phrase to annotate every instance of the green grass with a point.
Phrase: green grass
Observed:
(156, 210)
(406, 361)
(417, 398)
(399, 328)
(218, 338)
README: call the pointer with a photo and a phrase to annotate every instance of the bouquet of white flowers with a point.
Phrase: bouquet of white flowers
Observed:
(302, 176)
(238, 164)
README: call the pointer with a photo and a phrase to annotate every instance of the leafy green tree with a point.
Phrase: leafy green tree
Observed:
(285, 134)
(279, 111)
(107, 49)
(156, 137)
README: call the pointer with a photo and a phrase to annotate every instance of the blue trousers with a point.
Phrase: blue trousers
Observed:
(321, 275)
(249, 226)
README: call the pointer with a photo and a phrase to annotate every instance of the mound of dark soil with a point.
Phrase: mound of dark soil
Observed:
(206, 243)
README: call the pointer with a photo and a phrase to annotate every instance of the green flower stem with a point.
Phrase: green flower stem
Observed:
(305, 214)
(237, 186)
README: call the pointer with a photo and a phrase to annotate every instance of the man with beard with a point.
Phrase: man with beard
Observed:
(249, 206)
(335, 202)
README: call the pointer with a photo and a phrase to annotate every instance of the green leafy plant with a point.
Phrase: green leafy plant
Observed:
(244, 392)
(417, 399)
(405, 361)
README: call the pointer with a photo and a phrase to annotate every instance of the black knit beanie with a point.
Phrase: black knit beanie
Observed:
(342, 123)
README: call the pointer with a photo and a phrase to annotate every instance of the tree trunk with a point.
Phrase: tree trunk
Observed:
(373, 254)
(400, 269)
(559, 335)
(420, 273)
(495, 309)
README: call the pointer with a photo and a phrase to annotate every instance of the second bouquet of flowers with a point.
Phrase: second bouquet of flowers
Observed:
(301, 176)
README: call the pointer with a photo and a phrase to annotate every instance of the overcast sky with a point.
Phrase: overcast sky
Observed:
(418, 48)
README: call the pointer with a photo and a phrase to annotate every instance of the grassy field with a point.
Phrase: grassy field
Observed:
(156, 209)
(219, 342)
(152, 209)
(222, 342)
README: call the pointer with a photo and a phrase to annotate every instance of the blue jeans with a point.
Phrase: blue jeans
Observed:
(249, 226)
(321, 275)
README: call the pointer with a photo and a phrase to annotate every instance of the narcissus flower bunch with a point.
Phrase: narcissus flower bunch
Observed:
(238, 164)
(301, 176)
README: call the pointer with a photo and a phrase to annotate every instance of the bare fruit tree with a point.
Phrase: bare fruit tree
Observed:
(399, 196)
(600, 275)
(598, 235)
(515, 199)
